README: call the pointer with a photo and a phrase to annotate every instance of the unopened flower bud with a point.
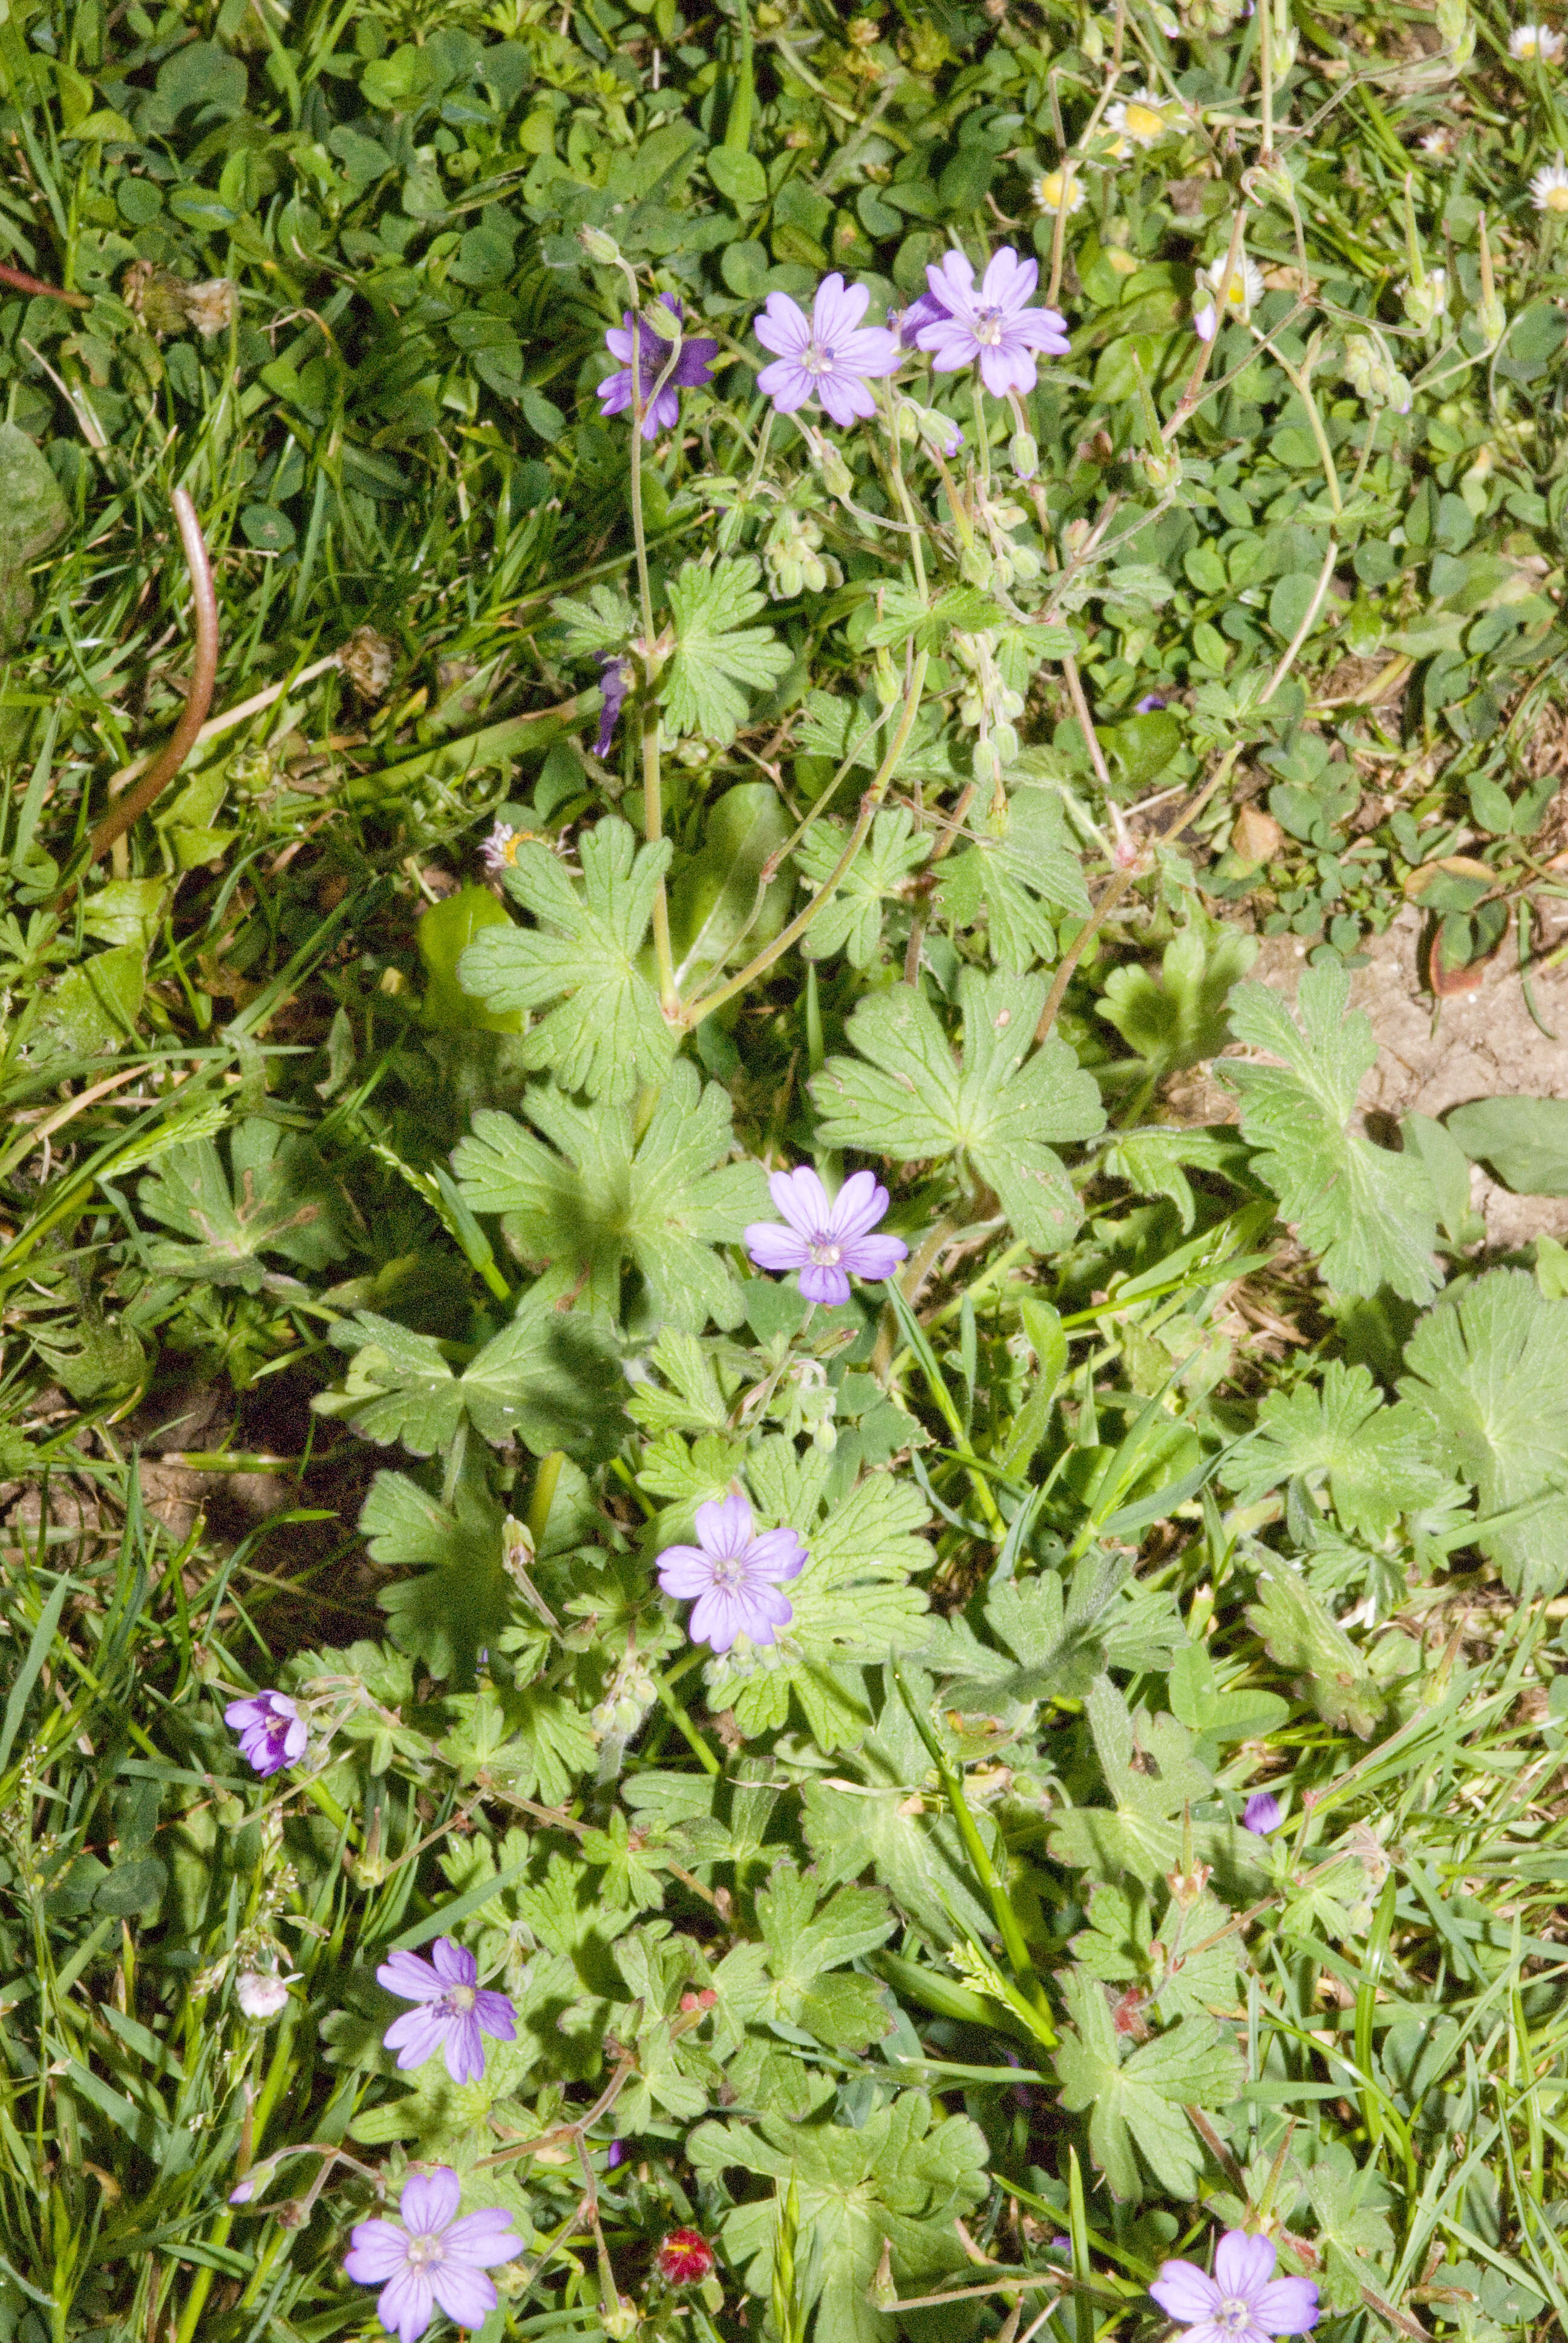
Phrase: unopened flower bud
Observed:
(1004, 740)
(1161, 468)
(1074, 538)
(883, 2293)
(685, 2258)
(1373, 376)
(908, 422)
(1023, 455)
(837, 477)
(1456, 31)
(598, 247)
(1424, 302)
(976, 565)
(985, 764)
(888, 687)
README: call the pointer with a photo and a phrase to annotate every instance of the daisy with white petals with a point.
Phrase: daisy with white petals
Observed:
(1243, 281)
(1145, 119)
(1549, 188)
(1060, 190)
(1539, 41)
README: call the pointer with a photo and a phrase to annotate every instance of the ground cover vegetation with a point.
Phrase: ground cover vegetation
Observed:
(712, 1627)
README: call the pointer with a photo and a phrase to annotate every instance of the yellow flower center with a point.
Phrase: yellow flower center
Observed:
(1557, 197)
(1144, 124)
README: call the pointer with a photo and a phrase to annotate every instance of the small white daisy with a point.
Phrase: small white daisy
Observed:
(1058, 190)
(1145, 119)
(1549, 188)
(1243, 292)
(1535, 41)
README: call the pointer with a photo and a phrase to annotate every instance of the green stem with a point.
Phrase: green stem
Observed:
(683, 1725)
(737, 131)
(652, 793)
(693, 1011)
(1006, 1918)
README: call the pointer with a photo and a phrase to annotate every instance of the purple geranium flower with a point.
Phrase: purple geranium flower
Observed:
(994, 326)
(453, 2012)
(431, 2256)
(907, 323)
(271, 1731)
(692, 369)
(1262, 1813)
(733, 1574)
(1243, 2302)
(1148, 703)
(829, 355)
(828, 1243)
(616, 676)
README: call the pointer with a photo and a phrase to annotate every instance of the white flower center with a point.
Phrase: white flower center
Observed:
(825, 1255)
(424, 2252)
(987, 326)
(730, 1571)
(1234, 2315)
(458, 2000)
(817, 360)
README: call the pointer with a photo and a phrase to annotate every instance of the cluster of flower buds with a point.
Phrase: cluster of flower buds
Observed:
(793, 559)
(988, 707)
(628, 1694)
(1373, 375)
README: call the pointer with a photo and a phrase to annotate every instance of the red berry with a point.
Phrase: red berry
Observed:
(685, 2258)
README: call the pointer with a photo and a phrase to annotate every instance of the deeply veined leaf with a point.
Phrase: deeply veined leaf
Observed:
(716, 651)
(1378, 1461)
(994, 1111)
(606, 1033)
(589, 1197)
(1369, 1216)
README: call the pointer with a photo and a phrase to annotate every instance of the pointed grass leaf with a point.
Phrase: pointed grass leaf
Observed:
(604, 1032)
(1369, 1215)
(994, 1113)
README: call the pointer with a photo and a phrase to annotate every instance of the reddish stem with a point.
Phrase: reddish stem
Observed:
(199, 699)
(20, 282)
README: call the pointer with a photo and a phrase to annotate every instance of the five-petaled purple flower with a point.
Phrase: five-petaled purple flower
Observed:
(828, 1243)
(1243, 2302)
(615, 678)
(431, 2258)
(992, 324)
(454, 2010)
(829, 355)
(734, 1575)
(271, 1731)
(1262, 1813)
(692, 369)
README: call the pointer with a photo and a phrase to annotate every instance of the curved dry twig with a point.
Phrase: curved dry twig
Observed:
(199, 699)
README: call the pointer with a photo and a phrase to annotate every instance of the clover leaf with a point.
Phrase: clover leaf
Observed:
(992, 1112)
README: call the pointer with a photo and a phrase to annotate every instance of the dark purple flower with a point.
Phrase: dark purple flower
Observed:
(454, 2011)
(907, 323)
(431, 2258)
(992, 327)
(1243, 2302)
(1148, 703)
(615, 678)
(1262, 1813)
(617, 2157)
(271, 1731)
(829, 355)
(828, 1243)
(733, 1575)
(692, 369)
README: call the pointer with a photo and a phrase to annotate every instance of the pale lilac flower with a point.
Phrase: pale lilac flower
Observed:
(1243, 2302)
(617, 2154)
(1262, 1813)
(733, 1574)
(261, 1995)
(454, 2011)
(243, 2194)
(1148, 703)
(829, 355)
(993, 326)
(828, 1243)
(616, 676)
(907, 323)
(271, 1731)
(692, 369)
(431, 2258)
